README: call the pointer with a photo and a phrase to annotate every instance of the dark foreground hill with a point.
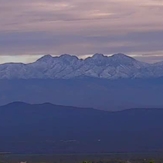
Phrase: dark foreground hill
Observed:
(47, 128)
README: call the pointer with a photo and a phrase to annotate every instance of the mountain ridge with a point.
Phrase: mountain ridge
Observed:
(85, 92)
(49, 104)
(59, 129)
(69, 66)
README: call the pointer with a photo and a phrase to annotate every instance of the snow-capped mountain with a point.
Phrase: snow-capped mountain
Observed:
(68, 66)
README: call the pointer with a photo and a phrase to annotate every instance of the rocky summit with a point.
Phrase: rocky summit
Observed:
(68, 66)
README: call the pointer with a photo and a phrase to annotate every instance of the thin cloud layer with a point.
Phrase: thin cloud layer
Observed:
(80, 27)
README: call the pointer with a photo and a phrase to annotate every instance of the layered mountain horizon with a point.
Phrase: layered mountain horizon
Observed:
(69, 66)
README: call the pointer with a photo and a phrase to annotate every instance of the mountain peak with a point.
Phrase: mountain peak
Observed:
(45, 58)
(98, 55)
(17, 103)
(68, 66)
(121, 56)
(68, 57)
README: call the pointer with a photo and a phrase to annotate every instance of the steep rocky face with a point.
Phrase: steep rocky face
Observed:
(68, 66)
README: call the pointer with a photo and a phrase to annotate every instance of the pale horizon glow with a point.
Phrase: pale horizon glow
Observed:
(157, 57)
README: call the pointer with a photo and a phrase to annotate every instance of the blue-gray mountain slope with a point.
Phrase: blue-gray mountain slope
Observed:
(67, 66)
(47, 128)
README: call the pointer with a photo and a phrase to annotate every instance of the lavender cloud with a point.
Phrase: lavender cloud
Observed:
(80, 27)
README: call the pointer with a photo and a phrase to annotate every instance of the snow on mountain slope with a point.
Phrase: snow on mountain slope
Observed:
(68, 66)
(152, 71)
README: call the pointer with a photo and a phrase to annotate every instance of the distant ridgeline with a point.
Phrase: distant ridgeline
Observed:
(96, 93)
(48, 128)
(67, 66)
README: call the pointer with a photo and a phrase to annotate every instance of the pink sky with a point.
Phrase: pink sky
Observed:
(30, 29)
